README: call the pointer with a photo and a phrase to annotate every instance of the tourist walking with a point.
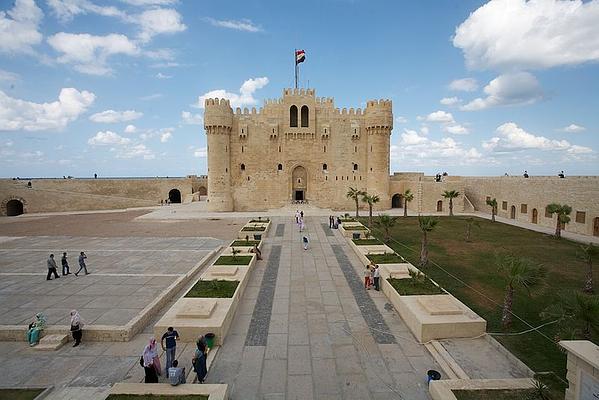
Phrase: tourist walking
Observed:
(330, 221)
(155, 357)
(297, 216)
(51, 268)
(35, 328)
(377, 278)
(199, 360)
(367, 277)
(176, 375)
(305, 241)
(82, 266)
(301, 214)
(147, 361)
(65, 264)
(256, 251)
(168, 342)
(76, 327)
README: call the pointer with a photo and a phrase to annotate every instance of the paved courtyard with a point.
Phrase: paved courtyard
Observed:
(126, 274)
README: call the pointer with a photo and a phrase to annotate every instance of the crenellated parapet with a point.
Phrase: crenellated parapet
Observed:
(217, 114)
(379, 116)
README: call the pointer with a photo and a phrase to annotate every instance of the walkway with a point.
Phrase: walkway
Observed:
(324, 336)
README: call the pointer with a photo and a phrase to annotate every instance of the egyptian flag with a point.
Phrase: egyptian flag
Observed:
(300, 56)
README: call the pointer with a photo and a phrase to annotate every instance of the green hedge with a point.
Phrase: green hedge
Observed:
(233, 260)
(244, 243)
(213, 289)
(253, 229)
(387, 258)
(409, 286)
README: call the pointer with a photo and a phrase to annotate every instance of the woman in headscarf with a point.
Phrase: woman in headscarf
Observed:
(76, 327)
(199, 360)
(35, 328)
(147, 360)
(154, 354)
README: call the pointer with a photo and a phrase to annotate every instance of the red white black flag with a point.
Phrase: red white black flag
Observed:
(300, 56)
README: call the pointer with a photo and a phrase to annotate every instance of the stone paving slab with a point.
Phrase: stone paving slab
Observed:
(280, 231)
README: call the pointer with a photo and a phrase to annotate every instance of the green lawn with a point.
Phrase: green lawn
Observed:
(230, 260)
(19, 394)
(388, 258)
(213, 289)
(245, 243)
(367, 242)
(253, 229)
(410, 287)
(256, 220)
(355, 228)
(523, 394)
(473, 263)
(155, 397)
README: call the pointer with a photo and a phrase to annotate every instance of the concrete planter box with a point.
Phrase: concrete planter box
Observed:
(242, 234)
(347, 231)
(214, 392)
(442, 390)
(244, 249)
(362, 251)
(396, 271)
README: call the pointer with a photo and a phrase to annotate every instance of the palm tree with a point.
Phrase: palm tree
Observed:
(450, 194)
(578, 313)
(355, 194)
(517, 272)
(370, 199)
(563, 216)
(427, 224)
(407, 197)
(587, 254)
(386, 222)
(493, 204)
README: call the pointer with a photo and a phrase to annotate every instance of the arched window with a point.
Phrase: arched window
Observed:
(305, 116)
(243, 167)
(324, 167)
(280, 167)
(355, 167)
(293, 116)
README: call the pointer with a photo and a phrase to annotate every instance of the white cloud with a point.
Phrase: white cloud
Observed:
(464, 85)
(200, 152)
(424, 130)
(19, 27)
(450, 101)
(191, 119)
(153, 96)
(130, 129)
(89, 53)
(160, 75)
(104, 138)
(8, 76)
(419, 150)
(440, 116)
(17, 114)
(66, 10)
(159, 21)
(111, 116)
(244, 98)
(411, 137)
(401, 120)
(149, 2)
(456, 129)
(517, 88)
(138, 150)
(507, 34)
(573, 128)
(513, 138)
(166, 136)
(239, 25)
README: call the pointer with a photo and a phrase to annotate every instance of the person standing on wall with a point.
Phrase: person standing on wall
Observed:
(76, 327)
(65, 264)
(170, 337)
(377, 278)
(51, 268)
(82, 265)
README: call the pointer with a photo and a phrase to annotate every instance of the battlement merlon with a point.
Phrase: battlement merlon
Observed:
(217, 113)
(379, 114)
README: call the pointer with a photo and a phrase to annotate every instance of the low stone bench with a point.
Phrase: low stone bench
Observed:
(52, 342)
(214, 392)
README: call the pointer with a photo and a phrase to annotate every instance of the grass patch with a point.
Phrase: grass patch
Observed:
(19, 394)
(410, 287)
(213, 289)
(244, 243)
(366, 242)
(347, 220)
(233, 260)
(253, 229)
(156, 397)
(473, 263)
(355, 228)
(259, 220)
(387, 258)
(496, 394)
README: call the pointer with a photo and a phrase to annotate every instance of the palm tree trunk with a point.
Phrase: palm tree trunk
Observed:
(468, 229)
(506, 319)
(588, 285)
(387, 235)
(558, 228)
(493, 214)
(424, 250)
(370, 215)
(586, 332)
(405, 208)
(357, 206)
(450, 207)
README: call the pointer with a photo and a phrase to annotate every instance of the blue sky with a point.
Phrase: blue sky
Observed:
(478, 88)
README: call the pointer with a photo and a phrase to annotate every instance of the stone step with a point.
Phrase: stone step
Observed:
(445, 360)
(52, 342)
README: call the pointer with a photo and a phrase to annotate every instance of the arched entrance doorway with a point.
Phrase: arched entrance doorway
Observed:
(14, 208)
(513, 212)
(596, 226)
(535, 216)
(174, 196)
(202, 191)
(299, 183)
(396, 201)
(439, 206)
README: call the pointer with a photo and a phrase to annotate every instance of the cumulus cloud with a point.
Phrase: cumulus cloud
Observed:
(8, 76)
(573, 128)
(159, 21)
(160, 75)
(419, 150)
(135, 151)
(111, 116)
(66, 10)
(401, 120)
(450, 101)
(191, 119)
(440, 116)
(89, 53)
(149, 2)
(166, 136)
(104, 138)
(130, 129)
(152, 96)
(508, 34)
(456, 129)
(200, 152)
(239, 25)
(517, 88)
(513, 138)
(464, 85)
(19, 27)
(243, 99)
(17, 114)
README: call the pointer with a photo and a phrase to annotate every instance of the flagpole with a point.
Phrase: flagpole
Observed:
(295, 62)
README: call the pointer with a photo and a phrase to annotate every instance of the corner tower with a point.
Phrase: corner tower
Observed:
(218, 123)
(378, 123)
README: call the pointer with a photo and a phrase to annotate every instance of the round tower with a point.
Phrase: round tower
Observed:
(218, 123)
(379, 123)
